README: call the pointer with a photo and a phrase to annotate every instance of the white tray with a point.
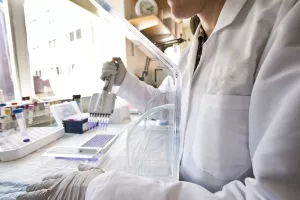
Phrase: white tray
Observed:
(12, 147)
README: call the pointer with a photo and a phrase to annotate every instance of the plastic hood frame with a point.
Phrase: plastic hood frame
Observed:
(132, 34)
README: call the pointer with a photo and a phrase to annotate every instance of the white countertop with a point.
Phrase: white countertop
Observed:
(29, 169)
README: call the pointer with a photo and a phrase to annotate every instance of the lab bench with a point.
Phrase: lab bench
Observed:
(29, 169)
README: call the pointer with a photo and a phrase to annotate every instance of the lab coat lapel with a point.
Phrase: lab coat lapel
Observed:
(229, 12)
(187, 76)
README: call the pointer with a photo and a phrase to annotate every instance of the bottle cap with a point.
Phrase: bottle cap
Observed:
(26, 140)
(2, 104)
(31, 107)
(17, 111)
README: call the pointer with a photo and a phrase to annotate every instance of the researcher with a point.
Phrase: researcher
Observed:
(240, 108)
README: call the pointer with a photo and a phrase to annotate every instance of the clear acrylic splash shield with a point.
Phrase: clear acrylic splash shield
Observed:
(151, 146)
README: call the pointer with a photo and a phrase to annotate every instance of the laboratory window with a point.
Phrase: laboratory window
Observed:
(78, 34)
(72, 67)
(48, 16)
(57, 70)
(71, 36)
(38, 73)
(6, 80)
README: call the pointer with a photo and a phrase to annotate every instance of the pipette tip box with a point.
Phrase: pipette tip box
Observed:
(77, 124)
(78, 127)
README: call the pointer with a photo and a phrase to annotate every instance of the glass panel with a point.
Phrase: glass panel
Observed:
(138, 150)
(78, 34)
(6, 83)
(151, 146)
(71, 36)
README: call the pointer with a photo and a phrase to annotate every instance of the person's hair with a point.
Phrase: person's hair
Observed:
(194, 23)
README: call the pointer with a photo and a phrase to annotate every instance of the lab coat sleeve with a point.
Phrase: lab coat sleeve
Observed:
(140, 94)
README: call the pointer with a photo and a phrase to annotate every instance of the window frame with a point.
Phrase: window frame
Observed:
(12, 59)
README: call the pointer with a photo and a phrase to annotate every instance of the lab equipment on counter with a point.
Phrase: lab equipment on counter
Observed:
(2, 105)
(69, 116)
(1, 96)
(64, 110)
(13, 148)
(96, 107)
(7, 119)
(30, 111)
(8, 112)
(102, 105)
(121, 112)
(35, 114)
(38, 114)
(78, 100)
(89, 153)
(102, 141)
(21, 122)
(73, 153)
(77, 123)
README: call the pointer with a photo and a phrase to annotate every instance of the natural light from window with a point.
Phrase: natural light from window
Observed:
(6, 83)
(67, 46)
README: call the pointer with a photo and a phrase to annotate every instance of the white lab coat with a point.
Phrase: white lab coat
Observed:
(240, 110)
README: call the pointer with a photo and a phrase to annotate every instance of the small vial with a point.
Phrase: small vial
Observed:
(21, 122)
(2, 105)
(30, 114)
(7, 113)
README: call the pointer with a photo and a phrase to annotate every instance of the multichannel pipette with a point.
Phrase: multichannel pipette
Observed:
(102, 105)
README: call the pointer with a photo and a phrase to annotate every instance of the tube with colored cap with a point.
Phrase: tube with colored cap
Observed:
(21, 122)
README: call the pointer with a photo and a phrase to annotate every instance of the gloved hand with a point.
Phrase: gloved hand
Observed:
(71, 186)
(110, 68)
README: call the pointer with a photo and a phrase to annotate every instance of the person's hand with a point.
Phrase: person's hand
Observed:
(71, 186)
(110, 68)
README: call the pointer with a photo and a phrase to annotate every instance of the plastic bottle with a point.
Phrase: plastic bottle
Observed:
(21, 122)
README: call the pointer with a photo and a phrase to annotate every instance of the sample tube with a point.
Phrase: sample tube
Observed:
(2, 105)
(30, 114)
(7, 113)
(21, 122)
(1, 96)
